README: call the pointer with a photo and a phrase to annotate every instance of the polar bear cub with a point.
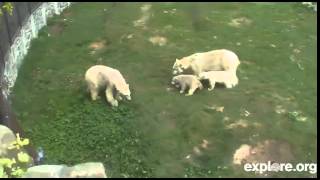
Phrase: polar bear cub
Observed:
(103, 77)
(215, 60)
(228, 79)
(187, 81)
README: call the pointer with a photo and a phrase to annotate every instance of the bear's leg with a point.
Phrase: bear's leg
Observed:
(118, 96)
(183, 88)
(191, 91)
(212, 84)
(228, 85)
(235, 81)
(110, 98)
(93, 91)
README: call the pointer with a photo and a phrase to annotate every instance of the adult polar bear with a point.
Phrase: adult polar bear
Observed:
(215, 60)
(99, 76)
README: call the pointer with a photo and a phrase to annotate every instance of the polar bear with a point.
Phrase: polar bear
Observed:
(215, 60)
(103, 77)
(228, 79)
(187, 81)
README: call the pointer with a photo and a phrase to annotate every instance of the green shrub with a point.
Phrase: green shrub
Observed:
(17, 166)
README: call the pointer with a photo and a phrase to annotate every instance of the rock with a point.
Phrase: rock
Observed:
(44, 171)
(6, 138)
(84, 170)
(188, 156)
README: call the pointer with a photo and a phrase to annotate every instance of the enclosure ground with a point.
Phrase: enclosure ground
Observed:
(160, 132)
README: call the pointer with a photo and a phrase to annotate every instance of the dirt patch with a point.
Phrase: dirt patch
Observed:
(145, 7)
(243, 123)
(238, 124)
(57, 29)
(67, 14)
(238, 22)
(216, 108)
(172, 11)
(98, 45)
(198, 150)
(279, 109)
(262, 152)
(158, 40)
(142, 21)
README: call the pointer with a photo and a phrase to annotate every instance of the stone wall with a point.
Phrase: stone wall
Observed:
(21, 44)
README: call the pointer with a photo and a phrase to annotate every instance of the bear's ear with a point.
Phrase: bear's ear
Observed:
(177, 60)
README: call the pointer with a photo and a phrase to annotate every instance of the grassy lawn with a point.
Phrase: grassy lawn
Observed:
(152, 135)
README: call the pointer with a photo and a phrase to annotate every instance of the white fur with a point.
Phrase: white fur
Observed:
(187, 81)
(100, 76)
(228, 79)
(215, 60)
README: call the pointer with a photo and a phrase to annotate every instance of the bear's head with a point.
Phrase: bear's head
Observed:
(124, 91)
(180, 65)
(174, 82)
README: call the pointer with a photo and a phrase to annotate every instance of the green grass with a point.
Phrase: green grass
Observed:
(151, 135)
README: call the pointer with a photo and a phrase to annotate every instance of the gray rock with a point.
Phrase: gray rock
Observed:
(44, 171)
(6, 138)
(84, 170)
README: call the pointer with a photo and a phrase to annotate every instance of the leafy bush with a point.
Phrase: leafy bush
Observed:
(7, 6)
(15, 167)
